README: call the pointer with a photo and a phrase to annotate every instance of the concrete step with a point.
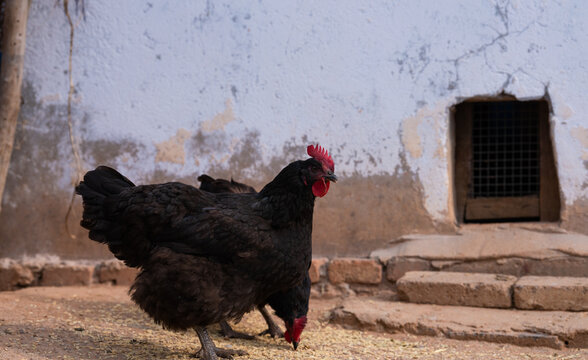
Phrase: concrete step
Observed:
(516, 250)
(551, 293)
(555, 329)
(451, 288)
(494, 290)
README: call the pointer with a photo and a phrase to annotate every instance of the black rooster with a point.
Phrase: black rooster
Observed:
(207, 257)
(290, 305)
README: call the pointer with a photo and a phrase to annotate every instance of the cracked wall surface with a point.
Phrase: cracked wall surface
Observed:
(166, 91)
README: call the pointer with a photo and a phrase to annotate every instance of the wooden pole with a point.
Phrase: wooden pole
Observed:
(14, 31)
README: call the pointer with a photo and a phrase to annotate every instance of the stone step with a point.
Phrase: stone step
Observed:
(498, 249)
(551, 293)
(555, 329)
(452, 288)
(494, 290)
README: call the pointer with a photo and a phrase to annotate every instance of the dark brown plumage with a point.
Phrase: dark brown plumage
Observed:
(206, 257)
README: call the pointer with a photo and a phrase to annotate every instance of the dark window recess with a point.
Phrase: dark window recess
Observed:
(2, 10)
(2, 7)
(504, 164)
(505, 149)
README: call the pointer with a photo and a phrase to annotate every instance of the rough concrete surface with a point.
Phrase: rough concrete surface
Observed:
(553, 329)
(100, 322)
(449, 288)
(564, 265)
(551, 293)
(488, 242)
(397, 267)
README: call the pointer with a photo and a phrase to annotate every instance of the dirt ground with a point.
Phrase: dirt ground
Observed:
(100, 322)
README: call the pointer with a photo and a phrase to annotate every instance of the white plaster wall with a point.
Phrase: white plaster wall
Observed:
(370, 81)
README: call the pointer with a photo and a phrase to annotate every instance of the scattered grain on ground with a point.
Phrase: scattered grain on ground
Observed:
(100, 322)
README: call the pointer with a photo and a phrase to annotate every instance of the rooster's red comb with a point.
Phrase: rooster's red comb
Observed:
(321, 155)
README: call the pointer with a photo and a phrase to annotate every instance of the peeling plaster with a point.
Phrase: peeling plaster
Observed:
(581, 134)
(39, 188)
(424, 136)
(172, 150)
(565, 111)
(221, 119)
(410, 136)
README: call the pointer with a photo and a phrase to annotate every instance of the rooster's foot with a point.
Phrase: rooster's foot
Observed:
(228, 332)
(223, 353)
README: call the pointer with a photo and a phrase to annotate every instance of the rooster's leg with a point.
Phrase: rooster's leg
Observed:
(273, 329)
(209, 351)
(228, 332)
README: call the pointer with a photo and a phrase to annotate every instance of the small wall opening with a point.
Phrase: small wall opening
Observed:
(504, 167)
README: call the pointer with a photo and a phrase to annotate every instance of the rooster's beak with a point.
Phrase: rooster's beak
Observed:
(295, 344)
(331, 176)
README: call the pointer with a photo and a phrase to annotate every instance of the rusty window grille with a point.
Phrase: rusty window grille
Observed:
(504, 161)
(505, 149)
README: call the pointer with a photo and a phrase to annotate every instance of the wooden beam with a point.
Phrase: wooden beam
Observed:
(550, 204)
(14, 31)
(463, 158)
(487, 208)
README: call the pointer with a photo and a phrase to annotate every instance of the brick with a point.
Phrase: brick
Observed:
(452, 288)
(14, 276)
(361, 271)
(67, 275)
(317, 269)
(398, 266)
(551, 293)
(116, 272)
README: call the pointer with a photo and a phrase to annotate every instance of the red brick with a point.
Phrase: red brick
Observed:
(67, 275)
(317, 269)
(13, 276)
(361, 271)
(116, 272)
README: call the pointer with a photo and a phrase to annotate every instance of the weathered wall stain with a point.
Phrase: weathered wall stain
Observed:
(581, 134)
(241, 158)
(361, 212)
(35, 200)
(221, 119)
(410, 136)
(575, 216)
(172, 150)
(364, 213)
(424, 137)
(108, 152)
(433, 118)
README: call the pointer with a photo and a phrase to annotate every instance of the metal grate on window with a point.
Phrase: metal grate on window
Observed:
(505, 149)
